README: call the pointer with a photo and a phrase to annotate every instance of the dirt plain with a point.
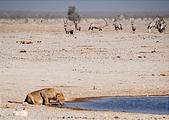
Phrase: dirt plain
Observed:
(87, 64)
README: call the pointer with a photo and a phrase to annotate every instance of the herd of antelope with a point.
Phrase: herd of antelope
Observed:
(159, 24)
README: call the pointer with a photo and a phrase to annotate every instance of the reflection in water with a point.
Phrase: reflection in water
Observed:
(156, 105)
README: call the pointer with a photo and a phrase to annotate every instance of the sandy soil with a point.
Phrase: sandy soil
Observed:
(87, 64)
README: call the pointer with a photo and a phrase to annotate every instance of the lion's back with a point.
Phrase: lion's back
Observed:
(49, 92)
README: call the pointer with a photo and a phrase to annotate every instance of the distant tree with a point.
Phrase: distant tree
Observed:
(71, 10)
(73, 15)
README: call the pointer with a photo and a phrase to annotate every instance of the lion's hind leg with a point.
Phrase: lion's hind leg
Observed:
(29, 99)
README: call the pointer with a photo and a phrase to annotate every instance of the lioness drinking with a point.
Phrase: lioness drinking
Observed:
(44, 96)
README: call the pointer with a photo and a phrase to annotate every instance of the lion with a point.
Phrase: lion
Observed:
(43, 97)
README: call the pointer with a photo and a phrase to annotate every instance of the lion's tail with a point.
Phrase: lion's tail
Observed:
(10, 101)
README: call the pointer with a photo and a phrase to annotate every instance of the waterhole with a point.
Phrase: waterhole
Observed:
(155, 104)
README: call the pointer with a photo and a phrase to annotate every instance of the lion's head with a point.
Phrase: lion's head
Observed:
(60, 98)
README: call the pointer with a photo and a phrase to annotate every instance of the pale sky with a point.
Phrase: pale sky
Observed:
(85, 5)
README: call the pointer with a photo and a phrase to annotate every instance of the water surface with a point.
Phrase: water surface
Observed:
(155, 105)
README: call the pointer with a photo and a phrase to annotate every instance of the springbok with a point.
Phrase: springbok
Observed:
(98, 25)
(68, 27)
(133, 27)
(117, 26)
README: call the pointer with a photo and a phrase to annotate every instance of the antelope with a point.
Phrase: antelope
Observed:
(120, 27)
(159, 25)
(133, 28)
(117, 26)
(98, 25)
(77, 26)
(68, 28)
(151, 25)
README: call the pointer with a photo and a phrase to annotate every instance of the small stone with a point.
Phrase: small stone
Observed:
(116, 117)
(22, 51)
(94, 88)
(153, 74)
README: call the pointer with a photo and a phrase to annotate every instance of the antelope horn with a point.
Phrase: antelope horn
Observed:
(105, 21)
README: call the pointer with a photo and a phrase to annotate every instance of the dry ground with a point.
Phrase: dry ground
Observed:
(87, 64)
